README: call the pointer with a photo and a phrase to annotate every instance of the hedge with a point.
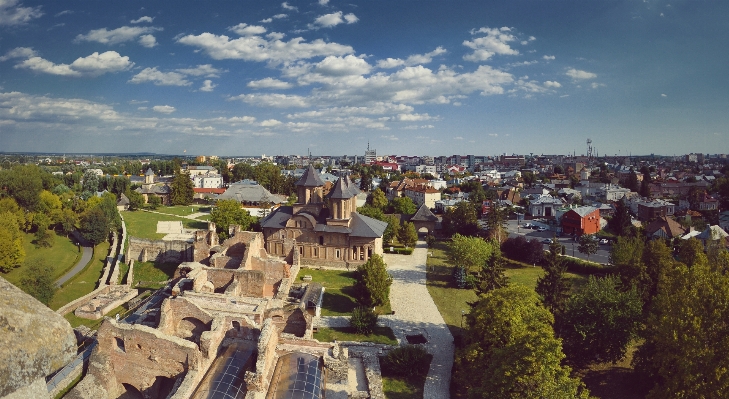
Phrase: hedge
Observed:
(575, 265)
(399, 251)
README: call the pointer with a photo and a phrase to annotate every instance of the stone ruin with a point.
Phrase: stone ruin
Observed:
(226, 308)
(106, 299)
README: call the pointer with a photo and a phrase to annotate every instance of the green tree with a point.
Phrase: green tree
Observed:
(496, 223)
(632, 182)
(471, 253)
(373, 283)
(403, 206)
(377, 199)
(510, 350)
(588, 245)
(91, 182)
(37, 281)
(363, 320)
(553, 286)
(460, 219)
(136, 200)
(407, 235)
(12, 253)
(154, 201)
(599, 322)
(620, 223)
(492, 275)
(24, 184)
(181, 189)
(227, 213)
(371, 211)
(94, 225)
(393, 227)
(645, 185)
(242, 171)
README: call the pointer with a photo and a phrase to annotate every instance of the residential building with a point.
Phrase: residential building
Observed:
(207, 181)
(251, 194)
(423, 194)
(545, 206)
(201, 170)
(581, 220)
(665, 227)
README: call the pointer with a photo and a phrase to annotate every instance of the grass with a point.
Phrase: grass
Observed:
(613, 381)
(92, 324)
(153, 272)
(180, 210)
(85, 281)
(339, 297)
(62, 256)
(397, 387)
(70, 386)
(381, 335)
(142, 224)
(527, 275)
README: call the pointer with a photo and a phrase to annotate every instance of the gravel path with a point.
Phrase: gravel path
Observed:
(88, 252)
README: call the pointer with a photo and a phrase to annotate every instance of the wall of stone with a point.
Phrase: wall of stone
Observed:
(251, 283)
(144, 250)
(267, 342)
(71, 306)
(173, 310)
(220, 278)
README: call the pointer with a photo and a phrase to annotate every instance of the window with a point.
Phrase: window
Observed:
(301, 251)
(337, 254)
(316, 252)
(321, 240)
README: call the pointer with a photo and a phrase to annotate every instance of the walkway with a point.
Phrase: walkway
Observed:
(415, 313)
(81, 264)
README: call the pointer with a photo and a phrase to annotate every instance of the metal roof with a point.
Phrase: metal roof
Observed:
(310, 178)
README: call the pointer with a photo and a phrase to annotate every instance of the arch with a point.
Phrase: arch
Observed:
(130, 392)
(424, 230)
(190, 328)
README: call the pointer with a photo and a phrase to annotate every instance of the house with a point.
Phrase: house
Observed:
(649, 210)
(201, 170)
(613, 193)
(207, 181)
(665, 227)
(442, 205)
(397, 188)
(151, 187)
(581, 220)
(123, 203)
(545, 206)
(250, 194)
(714, 234)
(203, 193)
(423, 195)
(323, 230)
(424, 218)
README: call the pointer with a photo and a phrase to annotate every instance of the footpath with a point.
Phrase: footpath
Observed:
(88, 252)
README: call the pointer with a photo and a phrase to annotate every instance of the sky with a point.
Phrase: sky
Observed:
(328, 77)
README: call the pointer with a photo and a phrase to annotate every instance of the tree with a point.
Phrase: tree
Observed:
(91, 182)
(373, 283)
(181, 190)
(24, 184)
(403, 206)
(363, 320)
(393, 227)
(553, 286)
(632, 182)
(94, 225)
(529, 178)
(588, 245)
(460, 219)
(620, 223)
(37, 281)
(371, 211)
(645, 185)
(599, 322)
(471, 253)
(510, 350)
(684, 352)
(242, 171)
(407, 235)
(365, 182)
(377, 199)
(136, 200)
(12, 253)
(227, 213)
(496, 222)
(492, 275)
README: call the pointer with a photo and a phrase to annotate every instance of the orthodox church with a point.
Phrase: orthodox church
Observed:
(323, 230)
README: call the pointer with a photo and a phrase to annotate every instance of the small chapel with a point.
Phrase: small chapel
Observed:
(321, 229)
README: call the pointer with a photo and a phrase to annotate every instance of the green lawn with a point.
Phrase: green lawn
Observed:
(93, 324)
(381, 335)
(85, 281)
(144, 224)
(339, 293)
(62, 256)
(397, 387)
(521, 273)
(180, 210)
(153, 272)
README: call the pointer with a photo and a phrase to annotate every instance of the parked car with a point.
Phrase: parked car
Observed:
(542, 229)
(604, 241)
(527, 225)
(546, 241)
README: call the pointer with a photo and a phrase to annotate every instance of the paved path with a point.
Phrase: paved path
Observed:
(85, 258)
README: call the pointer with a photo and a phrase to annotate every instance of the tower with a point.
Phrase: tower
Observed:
(589, 152)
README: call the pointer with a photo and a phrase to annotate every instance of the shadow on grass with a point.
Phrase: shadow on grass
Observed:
(338, 302)
(196, 225)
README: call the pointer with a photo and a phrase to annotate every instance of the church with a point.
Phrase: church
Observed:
(323, 230)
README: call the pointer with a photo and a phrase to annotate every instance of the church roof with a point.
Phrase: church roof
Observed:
(360, 226)
(424, 215)
(278, 218)
(341, 190)
(150, 172)
(310, 178)
(365, 226)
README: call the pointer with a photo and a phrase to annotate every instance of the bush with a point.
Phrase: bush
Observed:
(406, 361)
(430, 240)
(578, 266)
(460, 277)
(373, 282)
(363, 320)
(399, 251)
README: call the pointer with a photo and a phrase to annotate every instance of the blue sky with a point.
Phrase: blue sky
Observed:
(409, 77)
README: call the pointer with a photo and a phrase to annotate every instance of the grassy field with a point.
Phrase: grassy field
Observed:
(85, 281)
(381, 335)
(92, 324)
(183, 210)
(144, 224)
(396, 387)
(521, 273)
(153, 272)
(62, 256)
(339, 293)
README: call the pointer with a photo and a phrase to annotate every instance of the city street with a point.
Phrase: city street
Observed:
(602, 255)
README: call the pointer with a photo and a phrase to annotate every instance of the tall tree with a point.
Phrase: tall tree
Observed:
(227, 213)
(182, 191)
(620, 223)
(403, 206)
(471, 253)
(510, 351)
(496, 222)
(645, 185)
(407, 235)
(373, 282)
(632, 182)
(94, 225)
(492, 275)
(588, 245)
(12, 252)
(553, 286)
(377, 199)
(37, 281)
(460, 219)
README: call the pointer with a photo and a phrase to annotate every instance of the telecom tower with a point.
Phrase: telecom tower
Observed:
(589, 152)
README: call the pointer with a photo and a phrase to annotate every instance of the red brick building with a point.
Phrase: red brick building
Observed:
(582, 220)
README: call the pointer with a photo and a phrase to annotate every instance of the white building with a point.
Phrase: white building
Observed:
(207, 181)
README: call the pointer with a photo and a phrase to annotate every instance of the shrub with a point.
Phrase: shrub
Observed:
(399, 251)
(406, 361)
(460, 278)
(363, 320)
(373, 282)
(430, 240)
(575, 265)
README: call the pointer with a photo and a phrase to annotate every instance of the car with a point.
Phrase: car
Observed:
(546, 241)
(604, 241)
(542, 229)
(527, 225)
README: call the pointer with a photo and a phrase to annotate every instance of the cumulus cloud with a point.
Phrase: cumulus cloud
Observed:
(206, 70)
(12, 13)
(164, 109)
(415, 59)
(597, 85)
(664, 95)
(159, 78)
(19, 52)
(269, 83)
(495, 42)
(549, 57)
(266, 20)
(323, 2)
(270, 123)
(342, 66)
(207, 85)
(577, 74)
(142, 19)
(286, 6)
(244, 29)
(552, 84)
(391, 138)
(116, 36)
(93, 65)
(334, 19)
(257, 48)
(147, 41)
(273, 100)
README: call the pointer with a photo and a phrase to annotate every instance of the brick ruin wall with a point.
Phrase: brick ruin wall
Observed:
(144, 250)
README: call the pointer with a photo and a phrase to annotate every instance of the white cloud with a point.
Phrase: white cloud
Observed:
(12, 13)
(496, 41)
(116, 36)
(269, 83)
(552, 84)
(391, 138)
(93, 65)
(275, 35)
(334, 19)
(147, 41)
(580, 75)
(19, 52)
(270, 123)
(494, 134)
(142, 108)
(244, 29)
(164, 109)
(279, 16)
(206, 70)
(64, 12)
(342, 66)
(415, 59)
(323, 2)
(413, 117)
(388, 63)
(549, 57)
(597, 85)
(207, 85)
(350, 18)
(458, 138)
(286, 6)
(664, 95)
(142, 19)
(273, 100)
(256, 48)
(159, 78)
(266, 20)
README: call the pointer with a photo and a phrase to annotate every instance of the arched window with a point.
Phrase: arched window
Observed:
(321, 240)
(337, 254)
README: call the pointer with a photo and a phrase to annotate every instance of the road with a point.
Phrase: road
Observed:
(602, 255)
(85, 258)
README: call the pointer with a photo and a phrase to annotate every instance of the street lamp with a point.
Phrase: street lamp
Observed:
(463, 313)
